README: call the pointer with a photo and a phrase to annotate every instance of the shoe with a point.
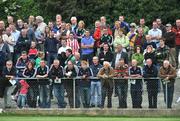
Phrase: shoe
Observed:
(178, 100)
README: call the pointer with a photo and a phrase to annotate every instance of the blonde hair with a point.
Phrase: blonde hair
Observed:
(81, 22)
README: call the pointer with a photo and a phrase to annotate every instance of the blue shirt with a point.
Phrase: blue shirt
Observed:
(87, 41)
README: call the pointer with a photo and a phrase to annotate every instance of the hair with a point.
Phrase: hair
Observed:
(84, 62)
(24, 52)
(30, 62)
(69, 50)
(82, 22)
(135, 49)
(41, 54)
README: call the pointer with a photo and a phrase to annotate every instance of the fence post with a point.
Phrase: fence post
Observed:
(74, 93)
(166, 95)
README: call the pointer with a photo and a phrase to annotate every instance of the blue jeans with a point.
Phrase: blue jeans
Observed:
(59, 94)
(21, 101)
(50, 58)
(44, 95)
(96, 89)
(85, 96)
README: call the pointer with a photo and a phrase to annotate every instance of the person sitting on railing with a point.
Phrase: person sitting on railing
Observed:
(85, 72)
(70, 72)
(30, 72)
(21, 63)
(95, 83)
(150, 71)
(121, 71)
(106, 75)
(56, 73)
(44, 85)
(168, 75)
(136, 84)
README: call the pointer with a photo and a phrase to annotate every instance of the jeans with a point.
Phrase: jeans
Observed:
(7, 95)
(177, 54)
(96, 89)
(170, 92)
(136, 94)
(85, 96)
(122, 89)
(59, 94)
(50, 58)
(21, 101)
(106, 91)
(44, 95)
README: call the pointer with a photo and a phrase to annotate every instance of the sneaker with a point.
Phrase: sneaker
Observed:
(178, 100)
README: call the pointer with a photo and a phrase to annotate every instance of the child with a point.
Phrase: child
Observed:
(33, 51)
(39, 58)
(22, 94)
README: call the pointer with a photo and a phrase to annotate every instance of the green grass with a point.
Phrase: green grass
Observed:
(60, 118)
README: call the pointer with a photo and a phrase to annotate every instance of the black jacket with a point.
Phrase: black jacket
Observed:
(123, 55)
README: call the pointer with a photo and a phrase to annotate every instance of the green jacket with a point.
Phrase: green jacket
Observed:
(139, 57)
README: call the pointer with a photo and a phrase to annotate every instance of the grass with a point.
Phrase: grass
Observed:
(62, 118)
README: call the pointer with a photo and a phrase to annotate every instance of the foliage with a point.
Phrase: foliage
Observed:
(91, 10)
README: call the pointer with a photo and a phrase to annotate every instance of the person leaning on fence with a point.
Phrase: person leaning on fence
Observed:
(150, 71)
(30, 72)
(85, 72)
(136, 84)
(121, 71)
(106, 75)
(95, 83)
(9, 72)
(70, 72)
(44, 85)
(55, 74)
(168, 75)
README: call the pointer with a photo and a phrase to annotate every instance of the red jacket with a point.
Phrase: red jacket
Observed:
(177, 32)
(24, 87)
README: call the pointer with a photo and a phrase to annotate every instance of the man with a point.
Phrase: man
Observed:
(161, 26)
(176, 30)
(168, 75)
(71, 71)
(121, 71)
(106, 54)
(9, 73)
(106, 75)
(155, 33)
(95, 83)
(74, 24)
(149, 42)
(150, 71)
(136, 84)
(50, 48)
(118, 55)
(124, 25)
(170, 39)
(87, 44)
(44, 87)
(56, 73)
(143, 26)
(70, 57)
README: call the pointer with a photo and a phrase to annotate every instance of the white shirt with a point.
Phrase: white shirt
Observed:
(10, 40)
(63, 49)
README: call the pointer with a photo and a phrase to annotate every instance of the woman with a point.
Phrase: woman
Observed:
(29, 72)
(80, 31)
(138, 56)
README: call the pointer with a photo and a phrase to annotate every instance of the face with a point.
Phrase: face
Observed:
(105, 31)
(178, 23)
(149, 49)
(50, 25)
(121, 62)
(10, 19)
(148, 37)
(67, 53)
(31, 18)
(9, 65)
(161, 42)
(106, 47)
(83, 65)
(97, 24)
(134, 63)
(42, 63)
(56, 63)
(168, 28)
(121, 18)
(73, 21)
(33, 44)
(70, 64)
(155, 25)
(95, 60)
(120, 33)
(63, 43)
(103, 20)
(142, 22)
(71, 36)
(24, 56)
(166, 64)
(106, 65)
(117, 25)
(138, 50)
(2, 25)
(87, 33)
(119, 48)
(20, 22)
(8, 31)
(30, 66)
(47, 29)
(149, 62)
(158, 21)
(58, 17)
(140, 30)
(25, 26)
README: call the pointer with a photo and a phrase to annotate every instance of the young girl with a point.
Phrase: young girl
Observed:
(39, 58)
(33, 51)
(21, 102)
